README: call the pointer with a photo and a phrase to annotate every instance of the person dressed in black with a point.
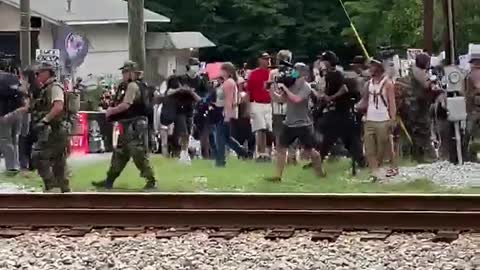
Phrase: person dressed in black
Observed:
(339, 119)
(185, 91)
(11, 99)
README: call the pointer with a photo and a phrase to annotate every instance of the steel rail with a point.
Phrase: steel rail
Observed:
(310, 211)
(308, 219)
(243, 200)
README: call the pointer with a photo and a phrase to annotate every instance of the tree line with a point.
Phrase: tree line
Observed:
(242, 29)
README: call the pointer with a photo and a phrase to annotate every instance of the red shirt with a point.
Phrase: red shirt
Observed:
(256, 86)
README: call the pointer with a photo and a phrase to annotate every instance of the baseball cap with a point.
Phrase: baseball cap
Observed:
(43, 66)
(193, 61)
(358, 60)
(302, 67)
(264, 55)
(330, 57)
(129, 66)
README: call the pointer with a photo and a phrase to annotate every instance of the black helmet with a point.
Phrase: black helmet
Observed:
(330, 57)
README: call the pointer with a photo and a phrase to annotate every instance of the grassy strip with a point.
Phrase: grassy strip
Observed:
(240, 176)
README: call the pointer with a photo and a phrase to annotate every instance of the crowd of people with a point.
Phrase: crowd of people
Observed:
(279, 111)
(282, 110)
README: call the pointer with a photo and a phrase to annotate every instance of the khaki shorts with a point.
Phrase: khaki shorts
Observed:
(377, 140)
(261, 116)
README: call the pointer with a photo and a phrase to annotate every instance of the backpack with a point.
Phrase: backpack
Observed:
(362, 106)
(147, 94)
(169, 111)
(72, 103)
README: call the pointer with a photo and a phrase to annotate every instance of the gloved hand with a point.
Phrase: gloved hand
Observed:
(42, 129)
(40, 125)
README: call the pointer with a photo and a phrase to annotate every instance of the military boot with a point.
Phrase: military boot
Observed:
(103, 184)
(64, 186)
(48, 185)
(150, 185)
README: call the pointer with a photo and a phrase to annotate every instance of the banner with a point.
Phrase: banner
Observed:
(51, 56)
(73, 47)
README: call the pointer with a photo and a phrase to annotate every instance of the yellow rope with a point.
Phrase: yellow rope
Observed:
(359, 39)
(365, 52)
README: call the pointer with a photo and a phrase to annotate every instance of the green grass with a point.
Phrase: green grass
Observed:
(241, 176)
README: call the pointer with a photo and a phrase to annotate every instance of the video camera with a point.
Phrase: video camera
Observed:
(285, 73)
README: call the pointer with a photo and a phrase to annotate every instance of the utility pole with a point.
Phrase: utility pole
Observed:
(454, 77)
(428, 25)
(450, 46)
(25, 43)
(136, 32)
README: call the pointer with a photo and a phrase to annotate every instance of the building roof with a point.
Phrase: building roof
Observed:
(177, 40)
(85, 11)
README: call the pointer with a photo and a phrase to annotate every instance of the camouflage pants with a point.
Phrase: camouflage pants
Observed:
(417, 122)
(472, 136)
(49, 155)
(133, 143)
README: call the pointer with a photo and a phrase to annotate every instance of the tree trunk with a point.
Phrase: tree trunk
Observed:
(136, 33)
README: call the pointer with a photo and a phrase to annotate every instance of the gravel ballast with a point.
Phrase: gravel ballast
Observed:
(247, 251)
(444, 174)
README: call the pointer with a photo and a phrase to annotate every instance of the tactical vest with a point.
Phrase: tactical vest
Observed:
(472, 96)
(137, 109)
(43, 104)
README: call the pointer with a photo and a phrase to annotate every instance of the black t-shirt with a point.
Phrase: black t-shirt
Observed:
(10, 96)
(334, 81)
(184, 100)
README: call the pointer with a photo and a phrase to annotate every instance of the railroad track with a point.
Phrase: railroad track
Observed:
(299, 211)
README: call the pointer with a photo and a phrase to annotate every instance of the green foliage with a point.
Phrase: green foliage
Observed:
(400, 23)
(241, 29)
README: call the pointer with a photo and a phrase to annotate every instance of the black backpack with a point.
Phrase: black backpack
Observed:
(10, 96)
(169, 111)
(147, 94)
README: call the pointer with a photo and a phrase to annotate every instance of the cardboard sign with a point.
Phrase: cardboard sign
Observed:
(412, 53)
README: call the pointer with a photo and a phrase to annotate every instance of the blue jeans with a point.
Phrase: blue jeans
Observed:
(223, 138)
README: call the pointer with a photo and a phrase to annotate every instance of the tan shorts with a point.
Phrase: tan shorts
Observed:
(377, 140)
(261, 116)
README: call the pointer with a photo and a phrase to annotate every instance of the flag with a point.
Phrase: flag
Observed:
(72, 45)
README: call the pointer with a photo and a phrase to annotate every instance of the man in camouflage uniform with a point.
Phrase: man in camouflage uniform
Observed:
(416, 112)
(130, 112)
(52, 128)
(472, 95)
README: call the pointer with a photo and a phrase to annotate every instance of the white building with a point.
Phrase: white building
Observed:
(105, 25)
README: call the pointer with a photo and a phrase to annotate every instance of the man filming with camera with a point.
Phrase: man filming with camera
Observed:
(294, 90)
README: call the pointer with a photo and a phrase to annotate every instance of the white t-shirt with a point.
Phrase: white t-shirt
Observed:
(377, 102)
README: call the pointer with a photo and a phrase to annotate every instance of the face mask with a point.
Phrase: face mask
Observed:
(194, 69)
(295, 74)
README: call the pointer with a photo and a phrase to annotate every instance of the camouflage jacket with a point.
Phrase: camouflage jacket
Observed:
(472, 92)
(42, 105)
